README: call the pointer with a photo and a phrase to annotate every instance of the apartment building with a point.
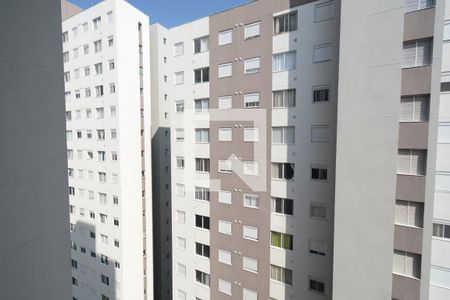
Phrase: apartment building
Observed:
(34, 221)
(161, 161)
(254, 99)
(440, 247)
(108, 117)
(303, 150)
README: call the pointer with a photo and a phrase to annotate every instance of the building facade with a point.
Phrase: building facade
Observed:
(34, 221)
(440, 247)
(108, 114)
(253, 151)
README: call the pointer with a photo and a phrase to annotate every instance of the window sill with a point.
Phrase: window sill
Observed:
(406, 276)
(410, 12)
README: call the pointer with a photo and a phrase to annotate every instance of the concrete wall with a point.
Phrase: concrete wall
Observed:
(34, 220)
(369, 93)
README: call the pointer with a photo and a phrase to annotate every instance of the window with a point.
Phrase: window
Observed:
(447, 31)
(225, 102)
(284, 61)
(283, 135)
(225, 197)
(181, 243)
(225, 286)
(251, 201)
(76, 73)
(85, 27)
(111, 64)
(179, 135)
(179, 78)
(317, 286)
(251, 134)
(202, 222)
(225, 134)
(87, 72)
(101, 155)
(69, 135)
(99, 91)
(115, 200)
(441, 230)
(104, 259)
(284, 98)
(75, 53)
(250, 233)
(66, 76)
(414, 108)
(181, 295)
(252, 30)
(201, 193)
(282, 206)
(112, 88)
(98, 46)
(97, 23)
(66, 57)
(250, 264)
(413, 5)
(285, 23)
(283, 171)
(181, 269)
(201, 105)
(319, 173)
(201, 75)
(202, 250)
(225, 227)
(201, 44)
(225, 70)
(323, 11)
(322, 53)
(317, 248)
(282, 240)
(417, 53)
(317, 210)
(100, 112)
(320, 134)
(68, 115)
(112, 111)
(74, 281)
(251, 100)
(110, 41)
(178, 49)
(202, 277)
(411, 162)
(225, 37)
(65, 36)
(225, 166)
(321, 94)
(179, 106)
(249, 294)
(181, 217)
(252, 65)
(66, 94)
(180, 189)
(281, 274)
(180, 162)
(251, 168)
(105, 279)
(224, 257)
(408, 264)
(102, 177)
(202, 135)
(409, 213)
(77, 94)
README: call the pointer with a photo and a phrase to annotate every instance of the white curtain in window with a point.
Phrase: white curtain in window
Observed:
(225, 70)
(225, 134)
(249, 295)
(225, 227)
(250, 264)
(442, 181)
(401, 212)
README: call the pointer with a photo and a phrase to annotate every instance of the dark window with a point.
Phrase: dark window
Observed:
(201, 75)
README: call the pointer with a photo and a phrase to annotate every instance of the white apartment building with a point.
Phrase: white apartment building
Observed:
(108, 114)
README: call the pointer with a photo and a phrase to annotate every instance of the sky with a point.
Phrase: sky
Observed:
(173, 12)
